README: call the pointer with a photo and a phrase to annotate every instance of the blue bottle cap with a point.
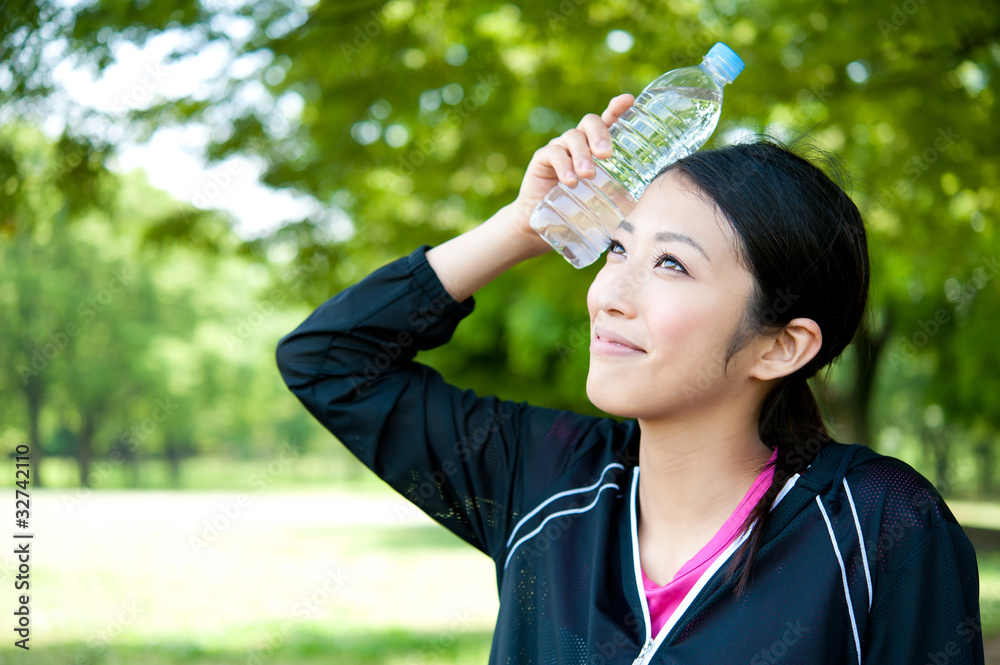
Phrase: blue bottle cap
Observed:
(725, 58)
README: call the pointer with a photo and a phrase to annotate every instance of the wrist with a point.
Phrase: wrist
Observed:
(512, 223)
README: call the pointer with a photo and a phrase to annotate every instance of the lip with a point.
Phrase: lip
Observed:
(607, 342)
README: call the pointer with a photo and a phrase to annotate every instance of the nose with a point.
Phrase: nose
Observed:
(616, 288)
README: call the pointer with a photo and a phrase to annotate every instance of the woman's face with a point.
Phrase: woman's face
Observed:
(677, 303)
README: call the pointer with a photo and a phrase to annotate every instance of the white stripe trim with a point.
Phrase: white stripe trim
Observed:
(704, 579)
(569, 511)
(635, 558)
(861, 539)
(559, 496)
(789, 484)
(843, 577)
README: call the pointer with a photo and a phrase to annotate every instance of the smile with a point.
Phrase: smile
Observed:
(607, 348)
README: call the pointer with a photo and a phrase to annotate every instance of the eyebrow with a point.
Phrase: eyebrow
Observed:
(667, 236)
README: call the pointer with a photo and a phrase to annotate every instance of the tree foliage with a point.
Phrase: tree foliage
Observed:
(117, 350)
(412, 122)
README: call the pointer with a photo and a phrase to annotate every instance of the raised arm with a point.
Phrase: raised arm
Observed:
(472, 463)
(467, 262)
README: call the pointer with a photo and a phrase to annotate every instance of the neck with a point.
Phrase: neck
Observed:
(692, 477)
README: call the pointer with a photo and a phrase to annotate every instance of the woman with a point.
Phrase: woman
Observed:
(749, 535)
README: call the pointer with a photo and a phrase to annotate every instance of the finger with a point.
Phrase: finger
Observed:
(616, 107)
(598, 135)
(556, 155)
(579, 149)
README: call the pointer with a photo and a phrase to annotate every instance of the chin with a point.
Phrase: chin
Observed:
(610, 397)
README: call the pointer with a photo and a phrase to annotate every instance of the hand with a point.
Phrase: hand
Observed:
(567, 157)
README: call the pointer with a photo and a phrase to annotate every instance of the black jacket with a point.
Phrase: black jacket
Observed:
(862, 561)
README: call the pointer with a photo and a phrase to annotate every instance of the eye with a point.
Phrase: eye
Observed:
(613, 244)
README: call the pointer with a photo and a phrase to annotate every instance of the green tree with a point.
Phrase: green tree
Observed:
(413, 122)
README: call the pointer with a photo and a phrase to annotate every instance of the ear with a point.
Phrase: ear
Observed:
(790, 349)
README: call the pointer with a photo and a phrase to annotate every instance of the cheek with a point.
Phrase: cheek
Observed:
(686, 322)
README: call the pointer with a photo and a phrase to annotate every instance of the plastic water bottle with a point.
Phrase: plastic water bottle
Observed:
(670, 119)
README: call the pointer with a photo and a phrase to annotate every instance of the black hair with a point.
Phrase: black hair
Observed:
(803, 240)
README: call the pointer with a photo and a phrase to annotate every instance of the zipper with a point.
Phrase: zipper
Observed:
(638, 574)
(642, 653)
(650, 645)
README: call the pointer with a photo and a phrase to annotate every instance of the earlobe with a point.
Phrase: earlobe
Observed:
(793, 347)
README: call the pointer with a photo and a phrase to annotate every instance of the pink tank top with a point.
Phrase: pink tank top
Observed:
(663, 600)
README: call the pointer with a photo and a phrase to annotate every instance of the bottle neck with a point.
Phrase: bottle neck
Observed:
(713, 69)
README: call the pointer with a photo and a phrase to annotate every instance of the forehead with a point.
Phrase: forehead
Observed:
(672, 204)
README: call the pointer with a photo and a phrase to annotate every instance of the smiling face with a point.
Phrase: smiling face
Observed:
(673, 287)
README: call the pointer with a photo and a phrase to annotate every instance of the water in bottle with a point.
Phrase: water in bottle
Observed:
(670, 119)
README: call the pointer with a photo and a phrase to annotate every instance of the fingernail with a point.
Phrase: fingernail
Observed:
(586, 166)
(569, 175)
(603, 145)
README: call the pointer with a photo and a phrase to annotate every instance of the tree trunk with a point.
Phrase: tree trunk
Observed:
(868, 361)
(987, 462)
(33, 395)
(850, 410)
(132, 464)
(935, 443)
(172, 454)
(85, 450)
(941, 468)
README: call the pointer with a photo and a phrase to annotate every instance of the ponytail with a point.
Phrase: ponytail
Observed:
(792, 422)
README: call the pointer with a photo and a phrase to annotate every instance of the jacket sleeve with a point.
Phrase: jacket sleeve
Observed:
(926, 608)
(469, 462)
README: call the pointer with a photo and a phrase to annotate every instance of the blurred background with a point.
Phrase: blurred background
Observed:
(183, 182)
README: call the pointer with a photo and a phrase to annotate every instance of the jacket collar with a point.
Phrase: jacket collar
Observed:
(823, 476)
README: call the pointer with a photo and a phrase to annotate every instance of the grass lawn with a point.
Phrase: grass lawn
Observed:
(157, 577)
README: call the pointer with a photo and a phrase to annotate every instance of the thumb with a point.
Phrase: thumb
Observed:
(616, 107)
